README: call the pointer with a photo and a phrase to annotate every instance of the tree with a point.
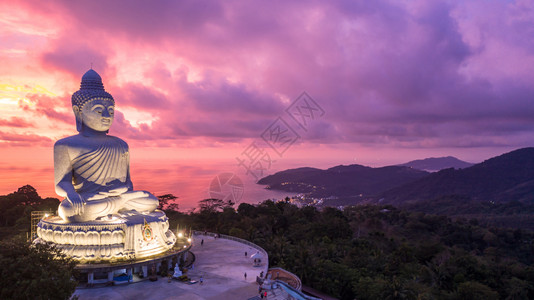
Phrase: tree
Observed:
(164, 202)
(214, 205)
(37, 271)
(28, 195)
(472, 290)
(246, 210)
(14, 208)
(237, 232)
(10, 210)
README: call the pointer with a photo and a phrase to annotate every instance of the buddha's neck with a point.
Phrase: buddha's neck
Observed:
(88, 132)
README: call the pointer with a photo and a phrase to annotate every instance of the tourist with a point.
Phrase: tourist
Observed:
(246, 253)
(201, 280)
(202, 242)
(245, 275)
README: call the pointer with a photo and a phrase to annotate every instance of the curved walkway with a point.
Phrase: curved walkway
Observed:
(221, 263)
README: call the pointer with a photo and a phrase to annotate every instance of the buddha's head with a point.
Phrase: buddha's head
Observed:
(93, 107)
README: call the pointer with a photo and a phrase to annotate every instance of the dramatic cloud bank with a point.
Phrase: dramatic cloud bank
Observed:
(388, 74)
(411, 74)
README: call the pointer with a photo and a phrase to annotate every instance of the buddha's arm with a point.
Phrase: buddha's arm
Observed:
(63, 176)
(128, 182)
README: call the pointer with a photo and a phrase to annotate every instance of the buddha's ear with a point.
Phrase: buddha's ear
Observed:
(78, 115)
(76, 109)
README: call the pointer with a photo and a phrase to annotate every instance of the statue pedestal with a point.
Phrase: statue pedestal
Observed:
(126, 235)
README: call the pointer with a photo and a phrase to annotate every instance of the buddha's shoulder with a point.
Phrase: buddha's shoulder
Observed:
(117, 140)
(68, 141)
(81, 141)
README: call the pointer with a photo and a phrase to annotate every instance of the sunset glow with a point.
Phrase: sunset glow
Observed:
(196, 82)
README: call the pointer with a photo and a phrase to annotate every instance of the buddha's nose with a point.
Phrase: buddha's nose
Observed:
(105, 113)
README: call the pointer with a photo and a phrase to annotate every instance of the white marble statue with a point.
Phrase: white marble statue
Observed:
(101, 217)
(177, 272)
(92, 169)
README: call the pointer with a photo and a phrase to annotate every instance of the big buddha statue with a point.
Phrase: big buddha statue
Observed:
(101, 215)
(91, 169)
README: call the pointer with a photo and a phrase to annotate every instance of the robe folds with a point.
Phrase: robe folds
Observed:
(102, 169)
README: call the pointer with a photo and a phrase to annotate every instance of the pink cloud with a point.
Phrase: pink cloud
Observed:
(16, 122)
(51, 107)
(386, 73)
(26, 140)
(73, 57)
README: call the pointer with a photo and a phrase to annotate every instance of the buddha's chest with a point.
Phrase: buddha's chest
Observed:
(102, 163)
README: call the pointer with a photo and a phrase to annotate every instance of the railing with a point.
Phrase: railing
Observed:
(189, 262)
(295, 277)
(296, 294)
(233, 238)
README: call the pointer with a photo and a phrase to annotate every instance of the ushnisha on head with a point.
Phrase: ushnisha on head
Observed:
(93, 107)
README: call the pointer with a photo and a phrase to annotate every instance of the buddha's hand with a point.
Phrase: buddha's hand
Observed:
(118, 191)
(77, 201)
(111, 193)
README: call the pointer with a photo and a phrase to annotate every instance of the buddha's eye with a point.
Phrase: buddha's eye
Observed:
(111, 110)
(98, 110)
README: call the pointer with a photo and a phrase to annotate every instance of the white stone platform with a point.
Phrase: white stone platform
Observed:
(125, 235)
(221, 262)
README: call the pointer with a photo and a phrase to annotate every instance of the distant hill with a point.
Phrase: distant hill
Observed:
(503, 178)
(437, 163)
(498, 192)
(342, 181)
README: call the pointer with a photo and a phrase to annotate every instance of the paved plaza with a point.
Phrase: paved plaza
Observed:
(222, 264)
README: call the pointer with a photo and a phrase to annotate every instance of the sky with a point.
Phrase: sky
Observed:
(202, 85)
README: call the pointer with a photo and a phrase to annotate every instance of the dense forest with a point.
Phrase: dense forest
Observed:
(39, 271)
(16, 208)
(362, 252)
(381, 252)
(510, 214)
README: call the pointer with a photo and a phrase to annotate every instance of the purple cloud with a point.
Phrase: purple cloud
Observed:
(410, 74)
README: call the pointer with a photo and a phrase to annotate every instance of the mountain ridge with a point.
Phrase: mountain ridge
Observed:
(341, 180)
(432, 164)
(507, 177)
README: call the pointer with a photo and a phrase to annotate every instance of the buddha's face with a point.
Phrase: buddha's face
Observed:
(98, 114)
